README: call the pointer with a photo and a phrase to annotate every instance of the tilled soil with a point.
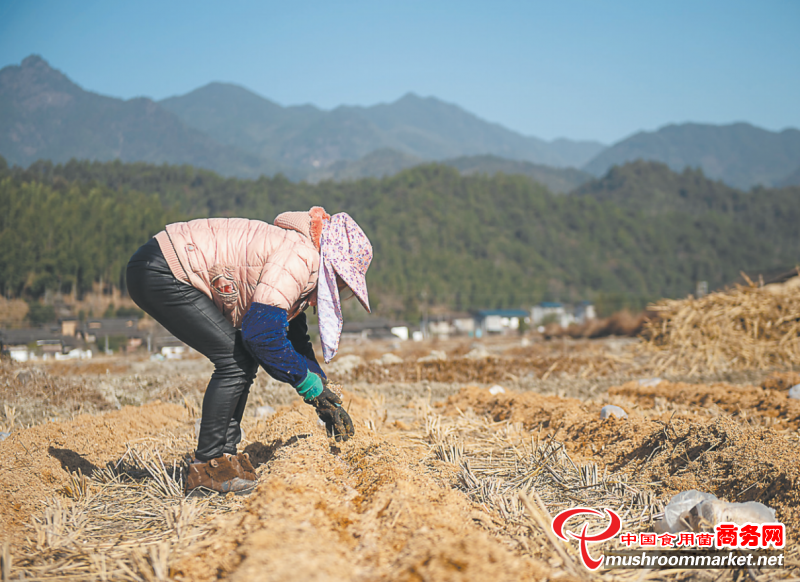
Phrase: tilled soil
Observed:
(747, 403)
(693, 447)
(35, 463)
(368, 509)
(391, 503)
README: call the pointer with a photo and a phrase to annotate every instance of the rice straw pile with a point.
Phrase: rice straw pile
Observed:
(743, 327)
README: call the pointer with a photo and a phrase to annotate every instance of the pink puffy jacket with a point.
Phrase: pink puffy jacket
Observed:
(236, 261)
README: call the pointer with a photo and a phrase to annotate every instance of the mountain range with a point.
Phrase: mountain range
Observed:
(305, 136)
(739, 154)
(388, 162)
(44, 115)
(231, 130)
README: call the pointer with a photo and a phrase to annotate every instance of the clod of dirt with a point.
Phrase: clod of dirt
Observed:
(781, 381)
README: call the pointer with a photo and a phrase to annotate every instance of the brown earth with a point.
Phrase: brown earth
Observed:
(781, 381)
(490, 369)
(745, 402)
(388, 505)
(368, 509)
(37, 396)
(674, 451)
(36, 462)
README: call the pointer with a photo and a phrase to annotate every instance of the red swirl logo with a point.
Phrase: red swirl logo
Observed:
(611, 531)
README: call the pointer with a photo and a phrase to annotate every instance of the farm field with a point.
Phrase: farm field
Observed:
(445, 479)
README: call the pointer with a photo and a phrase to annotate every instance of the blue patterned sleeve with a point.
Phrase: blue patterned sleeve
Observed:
(264, 333)
(301, 342)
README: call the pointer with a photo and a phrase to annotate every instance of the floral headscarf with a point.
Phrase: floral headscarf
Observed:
(345, 251)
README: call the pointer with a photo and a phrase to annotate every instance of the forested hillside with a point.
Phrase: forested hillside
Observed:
(461, 241)
(655, 189)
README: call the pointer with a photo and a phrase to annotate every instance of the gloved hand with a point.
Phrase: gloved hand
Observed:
(329, 409)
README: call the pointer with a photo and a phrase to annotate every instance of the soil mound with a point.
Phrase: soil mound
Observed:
(749, 403)
(735, 461)
(538, 361)
(36, 462)
(671, 451)
(36, 395)
(368, 509)
(529, 408)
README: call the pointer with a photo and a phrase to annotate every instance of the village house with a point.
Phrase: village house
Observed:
(500, 321)
(553, 312)
(448, 324)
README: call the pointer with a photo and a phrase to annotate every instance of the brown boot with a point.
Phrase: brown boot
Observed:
(223, 475)
(247, 471)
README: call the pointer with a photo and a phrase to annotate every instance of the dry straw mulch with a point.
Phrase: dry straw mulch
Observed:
(743, 327)
(129, 521)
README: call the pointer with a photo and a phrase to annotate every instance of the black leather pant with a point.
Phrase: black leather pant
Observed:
(193, 318)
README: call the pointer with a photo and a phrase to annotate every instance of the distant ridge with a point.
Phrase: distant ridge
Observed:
(557, 180)
(653, 188)
(792, 179)
(44, 115)
(468, 242)
(739, 154)
(235, 132)
(388, 162)
(305, 136)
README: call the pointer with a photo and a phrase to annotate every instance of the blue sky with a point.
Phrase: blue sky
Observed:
(577, 69)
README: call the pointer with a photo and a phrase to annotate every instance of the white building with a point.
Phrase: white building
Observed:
(552, 312)
(501, 320)
(547, 310)
(584, 311)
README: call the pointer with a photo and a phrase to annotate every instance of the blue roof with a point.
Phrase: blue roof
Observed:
(549, 304)
(503, 312)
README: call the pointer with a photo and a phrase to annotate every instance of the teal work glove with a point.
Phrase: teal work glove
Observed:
(311, 387)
